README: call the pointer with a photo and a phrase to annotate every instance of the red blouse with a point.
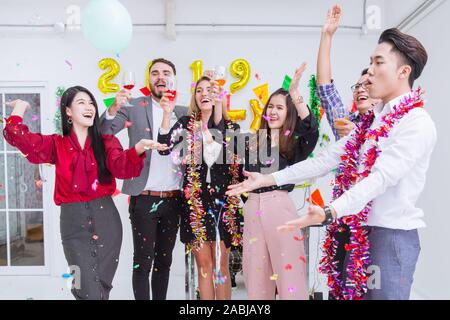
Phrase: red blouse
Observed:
(76, 168)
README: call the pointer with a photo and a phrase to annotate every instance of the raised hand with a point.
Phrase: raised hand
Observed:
(294, 88)
(19, 107)
(122, 98)
(333, 19)
(166, 104)
(343, 126)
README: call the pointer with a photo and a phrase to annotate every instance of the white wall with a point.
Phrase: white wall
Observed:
(40, 56)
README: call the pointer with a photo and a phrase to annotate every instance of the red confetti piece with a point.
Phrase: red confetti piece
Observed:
(288, 267)
(297, 238)
(257, 76)
(143, 103)
(145, 91)
(303, 259)
(95, 237)
(287, 133)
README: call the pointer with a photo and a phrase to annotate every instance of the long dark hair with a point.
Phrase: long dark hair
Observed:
(104, 176)
(286, 142)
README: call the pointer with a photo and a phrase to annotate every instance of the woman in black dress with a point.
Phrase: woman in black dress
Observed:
(209, 224)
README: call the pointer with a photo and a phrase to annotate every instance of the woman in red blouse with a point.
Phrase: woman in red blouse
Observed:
(86, 164)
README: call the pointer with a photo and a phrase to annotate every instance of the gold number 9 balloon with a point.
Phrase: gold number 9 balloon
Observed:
(113, 70)
(240, 69)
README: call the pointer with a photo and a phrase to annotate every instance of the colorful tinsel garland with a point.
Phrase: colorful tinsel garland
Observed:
(355, 285)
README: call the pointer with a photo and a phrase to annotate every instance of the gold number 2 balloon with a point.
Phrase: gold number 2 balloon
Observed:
(113, 70)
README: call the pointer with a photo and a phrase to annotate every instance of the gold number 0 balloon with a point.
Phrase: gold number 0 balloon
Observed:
(240, 69)
(113, 70)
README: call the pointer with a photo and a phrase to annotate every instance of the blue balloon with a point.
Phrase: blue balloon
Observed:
(107, 25)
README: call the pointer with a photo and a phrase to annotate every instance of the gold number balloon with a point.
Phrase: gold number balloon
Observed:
(240, 69)
(257, 114)
(147, 75)
(113, 70)
(197, 71)
(237, 115)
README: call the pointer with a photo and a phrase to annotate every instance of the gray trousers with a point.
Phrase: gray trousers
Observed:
(91, 234)
(394, 254)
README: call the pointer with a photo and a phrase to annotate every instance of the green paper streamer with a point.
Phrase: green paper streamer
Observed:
(109, 101)
(286, 82)
(314, 101)
(57, 118)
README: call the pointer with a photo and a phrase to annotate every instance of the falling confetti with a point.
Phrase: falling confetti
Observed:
(252, 240)
(145, 91)
(108, 102)
(257, 76)
(287, 133)
(303, 259)
(143, 103)
(274, 277)
(66, 275)
(68, 63)
(95, 237)
(136, 266)
(291, 289)
(286, 82)
(297, 238)
(95, 185)
(288, 267)
(155, 206)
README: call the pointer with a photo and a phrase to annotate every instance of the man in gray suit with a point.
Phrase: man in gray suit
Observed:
(156, 202)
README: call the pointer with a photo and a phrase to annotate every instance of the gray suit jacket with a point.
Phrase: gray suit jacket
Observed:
(141, 117)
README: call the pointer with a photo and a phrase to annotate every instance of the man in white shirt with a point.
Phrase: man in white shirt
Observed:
(396, 179)
(155, 202)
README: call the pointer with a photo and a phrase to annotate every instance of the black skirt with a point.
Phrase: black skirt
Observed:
(91, 234)
(212, 212)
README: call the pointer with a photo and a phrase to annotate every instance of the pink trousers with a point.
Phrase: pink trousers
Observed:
(273, 259)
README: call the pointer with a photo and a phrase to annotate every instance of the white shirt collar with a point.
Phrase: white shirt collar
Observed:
(379, 109)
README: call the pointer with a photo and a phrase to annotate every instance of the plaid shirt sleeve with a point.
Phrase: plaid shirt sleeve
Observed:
(332, 104)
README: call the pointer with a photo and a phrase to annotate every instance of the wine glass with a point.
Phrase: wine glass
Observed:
(219, 75)
(171, 86)
(128, 82)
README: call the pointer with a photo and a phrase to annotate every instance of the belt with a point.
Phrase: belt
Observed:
(162, 194)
